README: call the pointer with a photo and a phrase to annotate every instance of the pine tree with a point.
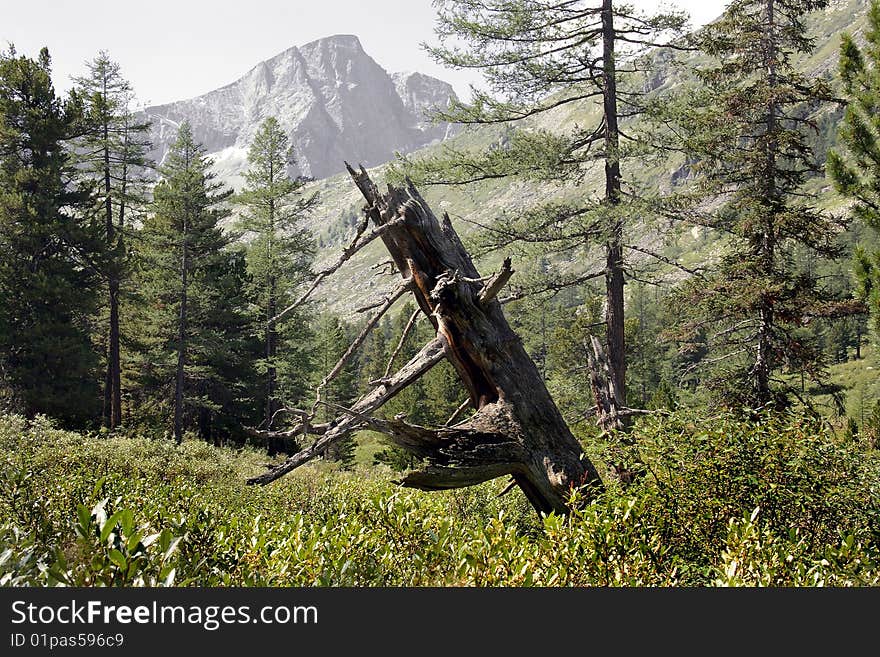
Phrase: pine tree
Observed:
(112, 152)
(50, 250)
(279, 255)
(855, 168)
(194, 329)
(746, 130)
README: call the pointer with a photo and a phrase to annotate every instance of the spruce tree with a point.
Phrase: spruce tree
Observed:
(540, 59)
(112, 153)
(746, 129)
(855, 167)
(50, 250)
(193, 324)
(279, 257)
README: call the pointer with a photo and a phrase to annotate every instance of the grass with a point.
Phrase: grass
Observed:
(860, 382)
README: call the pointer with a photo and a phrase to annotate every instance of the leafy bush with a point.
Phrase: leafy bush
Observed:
(111, 511)
(755, 556)
(703, 473)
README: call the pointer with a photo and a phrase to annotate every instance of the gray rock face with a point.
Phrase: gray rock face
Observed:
(422, 95)
(335, 102)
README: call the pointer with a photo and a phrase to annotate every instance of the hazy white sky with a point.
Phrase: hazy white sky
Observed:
(175, 49)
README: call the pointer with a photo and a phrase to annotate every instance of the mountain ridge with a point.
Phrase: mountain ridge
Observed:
(333, 99)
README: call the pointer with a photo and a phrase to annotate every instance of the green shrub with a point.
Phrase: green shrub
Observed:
(756, 556)
(112, 511)
(702, 473)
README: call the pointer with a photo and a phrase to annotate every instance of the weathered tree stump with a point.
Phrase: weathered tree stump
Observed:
(516, 428)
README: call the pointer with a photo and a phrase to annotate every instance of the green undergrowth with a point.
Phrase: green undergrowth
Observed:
(721, 501)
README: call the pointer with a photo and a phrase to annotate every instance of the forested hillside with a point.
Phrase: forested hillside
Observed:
(619, 324)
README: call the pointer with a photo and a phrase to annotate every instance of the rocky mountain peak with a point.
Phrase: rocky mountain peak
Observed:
(335, 102)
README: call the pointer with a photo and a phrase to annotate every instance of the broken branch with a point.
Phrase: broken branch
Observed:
(493, 287)
(406, 331)
(431, 354)
(398, 292)
(356, 245)
(458, 411)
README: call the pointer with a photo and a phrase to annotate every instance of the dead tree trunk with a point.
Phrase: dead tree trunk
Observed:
(516, 428)
(608, 403)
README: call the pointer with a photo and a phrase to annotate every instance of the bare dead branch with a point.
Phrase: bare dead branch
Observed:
(508, 488)
(710, 361)
(457, 413)
(356, 245)
(662, 258)
(401, 289)
(406, 331)
(292, 411)
(300, 428)
(498, 281)
(384, 267)
(387, 301)
(553, 286)
(431, 354)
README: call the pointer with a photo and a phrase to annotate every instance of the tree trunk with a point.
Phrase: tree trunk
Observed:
(181, 342)
(602, 384)
(271, 349)
(272, 310)
(516, 429)
(614, 282)
(114, 369)
(764, 358)
(115, 335)
(112, 394)
(106, 410)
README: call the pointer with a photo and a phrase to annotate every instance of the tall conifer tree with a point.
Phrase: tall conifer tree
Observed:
(855, 166)
(541, 57)
(112, 152)
(746, 127)
(194, 325)
(279, 256)
(50, 249)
